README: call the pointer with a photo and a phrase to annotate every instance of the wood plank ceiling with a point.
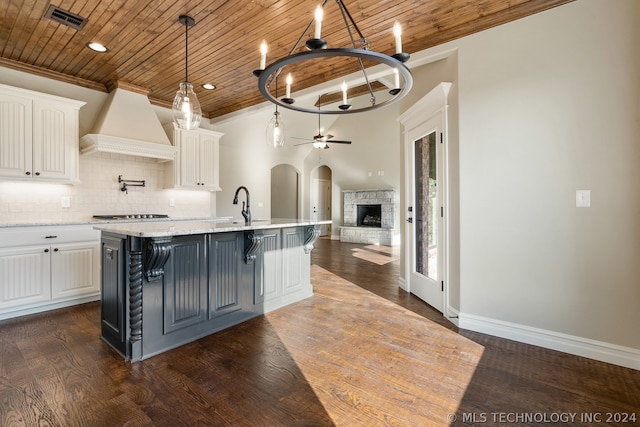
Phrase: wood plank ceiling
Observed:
(147, 43)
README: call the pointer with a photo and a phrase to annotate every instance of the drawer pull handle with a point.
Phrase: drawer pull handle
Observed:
(51, 237)
(55, 250)
(46, 250)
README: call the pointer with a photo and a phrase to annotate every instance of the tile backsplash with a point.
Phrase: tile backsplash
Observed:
(99, 193)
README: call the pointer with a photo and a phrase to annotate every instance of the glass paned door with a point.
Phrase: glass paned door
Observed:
(426, 206)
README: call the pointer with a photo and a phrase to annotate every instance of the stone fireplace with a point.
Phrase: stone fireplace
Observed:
(369, 217)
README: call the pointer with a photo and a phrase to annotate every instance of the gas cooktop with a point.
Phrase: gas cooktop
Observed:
(131, 216)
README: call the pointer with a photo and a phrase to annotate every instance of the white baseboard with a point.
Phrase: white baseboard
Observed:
(335, 237)
(598, 350)
(402, 283)
(48, 306)
(452, 315)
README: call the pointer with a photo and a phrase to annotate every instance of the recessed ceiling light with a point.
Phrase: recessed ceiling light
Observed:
(97, 47)
(208, 86)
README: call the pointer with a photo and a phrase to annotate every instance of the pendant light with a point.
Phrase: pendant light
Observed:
(275, 131)
(186, 108)
(275, 134)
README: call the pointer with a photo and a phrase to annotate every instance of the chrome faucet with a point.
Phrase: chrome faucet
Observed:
(245, 213)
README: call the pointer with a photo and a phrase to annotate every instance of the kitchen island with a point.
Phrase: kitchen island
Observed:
(168, 283)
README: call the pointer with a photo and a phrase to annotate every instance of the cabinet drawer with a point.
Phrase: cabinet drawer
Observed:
(36, 236)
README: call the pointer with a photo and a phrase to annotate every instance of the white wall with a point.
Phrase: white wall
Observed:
(548, 105)
(247, 160)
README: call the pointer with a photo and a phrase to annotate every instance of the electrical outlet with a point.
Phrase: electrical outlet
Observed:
(583, 198)
(172, 201)
(65, 201)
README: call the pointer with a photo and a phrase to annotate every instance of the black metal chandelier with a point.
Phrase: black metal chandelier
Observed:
(317, 49)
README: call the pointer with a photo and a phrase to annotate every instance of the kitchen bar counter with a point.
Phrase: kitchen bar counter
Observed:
(90, 221)
(167, 283)
(180, 228)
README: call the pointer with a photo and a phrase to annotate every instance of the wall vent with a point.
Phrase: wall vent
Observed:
(64, 17)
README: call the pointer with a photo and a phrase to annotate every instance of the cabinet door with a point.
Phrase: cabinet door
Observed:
(224, 273)
(189, 159)
(24, 276)
(208, 166)
(185, 285)
(113, 306)
(268, 283)
(74, 270)
(54, 141)
(16, 136)
(293, 258)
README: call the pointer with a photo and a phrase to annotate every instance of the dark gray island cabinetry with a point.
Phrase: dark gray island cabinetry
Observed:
(165, 284)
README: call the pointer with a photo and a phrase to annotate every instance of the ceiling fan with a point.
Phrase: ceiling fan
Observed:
(320, 140)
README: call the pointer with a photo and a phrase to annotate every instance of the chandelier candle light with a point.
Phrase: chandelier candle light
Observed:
(317, 48)
(186, 108)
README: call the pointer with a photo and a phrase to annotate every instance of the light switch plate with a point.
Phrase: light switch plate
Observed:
(583, 198)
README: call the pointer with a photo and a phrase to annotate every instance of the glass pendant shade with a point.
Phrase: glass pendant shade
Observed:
(186, 108)
(275, 133)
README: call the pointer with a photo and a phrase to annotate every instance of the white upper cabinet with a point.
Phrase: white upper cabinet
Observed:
(197, 160)
(38, 136)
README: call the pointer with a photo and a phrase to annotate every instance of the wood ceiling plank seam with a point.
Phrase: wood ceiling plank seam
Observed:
(13, 33)
(256, 21)
(241, 49)
(168, 52)
(41, 35)
(75, 59)
(134, 66)
(58, 42)
(199, 64)
(100, 65)
(380, 19)
(121, 16)
(6, 25)
(507, 15)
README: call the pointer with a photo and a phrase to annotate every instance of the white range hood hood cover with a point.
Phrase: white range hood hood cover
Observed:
(128, 125)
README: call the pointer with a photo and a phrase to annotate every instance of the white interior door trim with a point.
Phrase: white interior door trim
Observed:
(432, 104)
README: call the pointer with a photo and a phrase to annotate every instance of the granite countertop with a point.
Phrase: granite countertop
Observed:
(181, 228)
(90, 221)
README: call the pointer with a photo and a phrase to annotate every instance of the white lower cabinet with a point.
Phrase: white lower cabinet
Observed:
(24, 276)
(43, 268)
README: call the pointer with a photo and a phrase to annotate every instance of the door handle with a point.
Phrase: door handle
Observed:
(410, 220)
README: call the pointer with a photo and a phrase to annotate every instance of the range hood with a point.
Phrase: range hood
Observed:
(128, 125)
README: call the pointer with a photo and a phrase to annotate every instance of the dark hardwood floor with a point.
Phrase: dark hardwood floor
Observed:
(360, 352)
